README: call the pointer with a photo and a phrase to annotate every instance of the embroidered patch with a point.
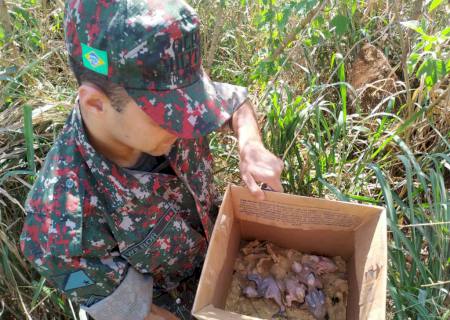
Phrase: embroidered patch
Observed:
(153, 235)
(77, 279)
(93, 299)
(94, 59)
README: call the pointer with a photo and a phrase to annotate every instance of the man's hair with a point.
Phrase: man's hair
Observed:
(116, 93)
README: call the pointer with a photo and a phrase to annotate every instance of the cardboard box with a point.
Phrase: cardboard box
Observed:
(355, 232)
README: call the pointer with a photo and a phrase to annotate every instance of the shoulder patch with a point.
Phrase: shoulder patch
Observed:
(77, 279)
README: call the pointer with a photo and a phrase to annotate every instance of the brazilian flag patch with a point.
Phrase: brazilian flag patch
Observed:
(94, 59)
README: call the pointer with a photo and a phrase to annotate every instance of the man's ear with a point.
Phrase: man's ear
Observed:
(92, 99)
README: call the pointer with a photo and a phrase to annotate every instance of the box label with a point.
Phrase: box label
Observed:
(298, 216)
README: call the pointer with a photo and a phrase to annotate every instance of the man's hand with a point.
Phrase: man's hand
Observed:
(158, 313)
(257, 163)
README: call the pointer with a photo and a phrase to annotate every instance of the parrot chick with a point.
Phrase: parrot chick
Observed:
(264, 266)
(281, 268)
(293, 255)
(308, 277)
(251, 247)
(310, 260)
(325, 265)
(341, 285)
(251, 260)
(295, 291)
(275, 252)
(340, 263)
(268, 288)
(319, 264)
(336, 308)
(297, 267)
(315, 299)
(313, 281)
(239, 265)
(250, 292)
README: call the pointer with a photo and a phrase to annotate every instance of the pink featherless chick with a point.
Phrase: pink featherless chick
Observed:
(325, 265)
(295, 291)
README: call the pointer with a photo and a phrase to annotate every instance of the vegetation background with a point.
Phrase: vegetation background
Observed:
(353, 95)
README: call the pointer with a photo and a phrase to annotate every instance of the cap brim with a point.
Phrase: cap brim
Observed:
(192, 111)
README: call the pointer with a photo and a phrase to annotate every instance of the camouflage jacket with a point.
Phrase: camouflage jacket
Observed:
(88, 220)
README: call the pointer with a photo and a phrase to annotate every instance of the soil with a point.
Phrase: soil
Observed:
(372, 77)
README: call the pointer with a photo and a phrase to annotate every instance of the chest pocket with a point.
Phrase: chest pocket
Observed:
(171, 250)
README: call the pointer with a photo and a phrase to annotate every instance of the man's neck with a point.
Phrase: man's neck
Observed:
(109, 147)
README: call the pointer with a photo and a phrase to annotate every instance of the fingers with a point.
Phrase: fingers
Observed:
(253, 187)
(258, 165)
(274, 184)
(270, 176)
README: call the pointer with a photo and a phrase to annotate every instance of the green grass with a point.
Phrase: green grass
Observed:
(295, 57)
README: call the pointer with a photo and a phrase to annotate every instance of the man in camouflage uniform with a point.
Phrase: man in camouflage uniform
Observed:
(122, 211)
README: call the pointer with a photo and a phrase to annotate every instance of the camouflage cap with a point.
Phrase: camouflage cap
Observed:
(152, 49)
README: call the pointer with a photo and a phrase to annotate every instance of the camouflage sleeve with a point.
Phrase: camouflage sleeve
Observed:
(233, 95)
(106, 287)
(227, 127)
(85, 275)
(85, 279)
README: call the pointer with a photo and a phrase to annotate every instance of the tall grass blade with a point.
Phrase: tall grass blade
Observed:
(29, 137)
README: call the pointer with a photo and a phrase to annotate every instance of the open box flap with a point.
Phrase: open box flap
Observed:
(370, 262)
(288, 211)
(223, 245)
